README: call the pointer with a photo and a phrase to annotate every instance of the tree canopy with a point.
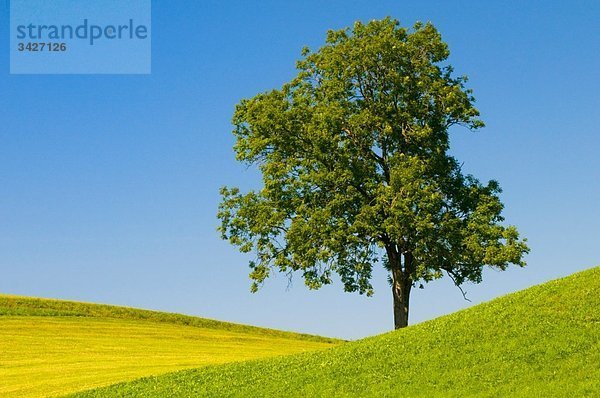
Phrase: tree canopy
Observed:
(354, 159)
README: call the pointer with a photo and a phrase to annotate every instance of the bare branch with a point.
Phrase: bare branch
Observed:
(464, 294)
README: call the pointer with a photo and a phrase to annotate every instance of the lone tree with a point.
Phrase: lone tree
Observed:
(354, 158)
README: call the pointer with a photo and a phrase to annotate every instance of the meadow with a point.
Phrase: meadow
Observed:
(53, 347)
(540, 342)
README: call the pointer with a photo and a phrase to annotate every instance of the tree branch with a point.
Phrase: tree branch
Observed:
(451, 276)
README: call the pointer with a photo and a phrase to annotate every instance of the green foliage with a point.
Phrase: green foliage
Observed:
(540, 342)
(51, 347)
(353, 154)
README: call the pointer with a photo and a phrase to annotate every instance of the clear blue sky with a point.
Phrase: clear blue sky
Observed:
(109, 184)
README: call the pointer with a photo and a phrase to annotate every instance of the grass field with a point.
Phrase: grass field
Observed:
(540, 342)
(53, 348)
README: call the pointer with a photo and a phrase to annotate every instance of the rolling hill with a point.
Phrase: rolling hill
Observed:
(53, 348)
(540, 342)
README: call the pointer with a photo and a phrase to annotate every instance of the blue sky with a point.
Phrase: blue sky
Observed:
(109, 184)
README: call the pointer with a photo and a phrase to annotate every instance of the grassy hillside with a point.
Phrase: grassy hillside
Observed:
(52, 348)
(540, 342)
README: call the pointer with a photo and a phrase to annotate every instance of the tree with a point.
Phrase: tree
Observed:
(354, 158)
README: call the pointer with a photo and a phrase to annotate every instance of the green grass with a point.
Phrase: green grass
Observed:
(540, 342)
(53, 348)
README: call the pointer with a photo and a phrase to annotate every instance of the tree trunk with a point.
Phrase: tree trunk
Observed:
(401, 285)
(401, 293)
